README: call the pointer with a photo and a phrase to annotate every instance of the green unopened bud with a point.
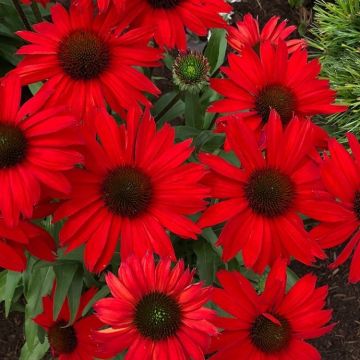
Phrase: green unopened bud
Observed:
(191, 72)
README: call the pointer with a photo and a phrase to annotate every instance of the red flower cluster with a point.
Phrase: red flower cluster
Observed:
(129, 187)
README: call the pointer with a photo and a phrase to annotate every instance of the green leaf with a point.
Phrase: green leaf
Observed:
(208, 261)
(193, 113)
(30, 333)
(216, 49)
(103, 292)
(3, 275)
(75, 293)
(37, 353)
(38, 284)
(184, 132)
(64, 277)
(12, 281)
(292, 279)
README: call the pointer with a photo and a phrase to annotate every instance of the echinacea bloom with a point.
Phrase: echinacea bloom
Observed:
(155, 313)
(341, 176)
(273, 80)
(191, 72)
(25, 236)
(247, 34)
(86, 62)
(134, 185)
(70, 341)
(36, 148)
(171, 18)
(273, 325)
(261, 200)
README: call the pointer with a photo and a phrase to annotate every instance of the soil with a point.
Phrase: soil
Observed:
(11, 334)
(344, 298)
(344, 342)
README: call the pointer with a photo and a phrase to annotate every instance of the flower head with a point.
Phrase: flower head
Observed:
(262, 199)
(154, 311)
(171, 18)
(25, 236)
(340, 215)
(134, 185)
(247, 34)
(255, 84)
(88, 61)
(36, 148)
(271, 325)
(191, 72)
(69, 340)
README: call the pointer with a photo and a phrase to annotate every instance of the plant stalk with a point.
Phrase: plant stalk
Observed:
(22, 15)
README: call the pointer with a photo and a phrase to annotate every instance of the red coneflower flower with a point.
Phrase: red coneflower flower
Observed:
(25, 236)
(341, 215)
(273, 80)
(272, 325)
(85, 62)
(36, 147)
(170, 18)
(155, 312)
(133, 187)
(247, 34)
(262, 199)
(70, 341)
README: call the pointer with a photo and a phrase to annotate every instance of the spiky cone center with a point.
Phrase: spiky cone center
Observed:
(191, 72)
(157, 316)
(13, 145)
(269, 192)
(127, 191)
(83, 55)
(164, 4)
(269, 336)
(277, 97)
(62, 338)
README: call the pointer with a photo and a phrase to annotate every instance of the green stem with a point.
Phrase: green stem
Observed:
(168, 106)
(36, 11)
(22, 15)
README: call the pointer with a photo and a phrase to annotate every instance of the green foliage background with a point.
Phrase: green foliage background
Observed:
(336, 41)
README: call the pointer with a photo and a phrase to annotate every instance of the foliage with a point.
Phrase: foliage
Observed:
(336, 42)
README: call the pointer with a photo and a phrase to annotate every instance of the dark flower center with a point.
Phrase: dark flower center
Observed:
(357, 204)
(276, 97)
(13, 146)
(127, 191)
(269, 192)
(268, 336)
(157, 316)
(163, 4)
(62, 338)
(83, 55)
